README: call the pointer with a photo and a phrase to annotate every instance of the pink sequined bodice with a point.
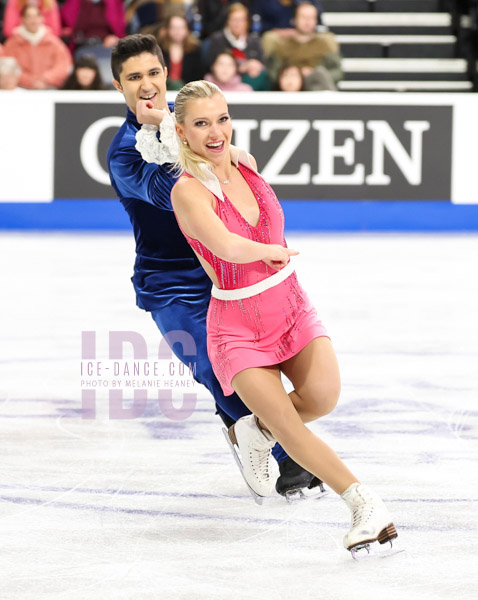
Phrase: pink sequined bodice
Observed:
(269, 230)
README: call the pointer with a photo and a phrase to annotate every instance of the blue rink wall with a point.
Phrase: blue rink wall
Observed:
(337, 162)
(300, 215)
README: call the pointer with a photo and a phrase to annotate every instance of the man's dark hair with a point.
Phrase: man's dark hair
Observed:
(133, 45)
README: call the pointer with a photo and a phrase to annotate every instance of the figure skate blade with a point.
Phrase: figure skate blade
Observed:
(301, 494)
(257, 499)
(374, 550)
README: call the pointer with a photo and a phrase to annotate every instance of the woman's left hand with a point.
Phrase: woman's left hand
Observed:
(277, 256)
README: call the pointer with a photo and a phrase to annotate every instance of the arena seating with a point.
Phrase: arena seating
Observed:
(398, 45)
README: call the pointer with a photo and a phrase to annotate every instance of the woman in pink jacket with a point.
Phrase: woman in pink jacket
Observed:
(44, 59)
(48, 8)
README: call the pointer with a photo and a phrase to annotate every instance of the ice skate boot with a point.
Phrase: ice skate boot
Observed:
(371, 523)
(295, 483)
(255, 447)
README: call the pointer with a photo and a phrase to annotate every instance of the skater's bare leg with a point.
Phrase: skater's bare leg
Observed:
(323, 390)
(315, 375)
(314, 372)
(313, 397)
(262, 391)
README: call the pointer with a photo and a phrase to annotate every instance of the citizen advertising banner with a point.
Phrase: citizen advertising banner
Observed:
(310, 146)
(83, 133)
(305, 151)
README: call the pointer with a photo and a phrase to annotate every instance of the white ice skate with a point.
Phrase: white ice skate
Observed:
(371, 523)
(255, 447)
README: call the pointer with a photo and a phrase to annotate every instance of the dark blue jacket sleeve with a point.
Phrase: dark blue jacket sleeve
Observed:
(133, 177)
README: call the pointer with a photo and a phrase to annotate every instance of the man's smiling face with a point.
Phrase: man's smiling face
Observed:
(143, 78)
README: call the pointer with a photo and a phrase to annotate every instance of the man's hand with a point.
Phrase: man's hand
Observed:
(147, 114)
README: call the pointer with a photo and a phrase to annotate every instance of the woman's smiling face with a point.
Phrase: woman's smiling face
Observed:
(207, 127)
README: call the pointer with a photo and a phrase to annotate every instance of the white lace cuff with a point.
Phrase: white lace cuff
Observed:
(154, 151)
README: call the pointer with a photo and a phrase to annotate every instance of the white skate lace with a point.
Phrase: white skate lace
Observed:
(363, 512)
(259, 459)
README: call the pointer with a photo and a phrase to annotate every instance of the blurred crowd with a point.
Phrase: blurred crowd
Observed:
(255, 45)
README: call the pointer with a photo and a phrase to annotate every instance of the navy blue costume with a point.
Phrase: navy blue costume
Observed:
(168, 278)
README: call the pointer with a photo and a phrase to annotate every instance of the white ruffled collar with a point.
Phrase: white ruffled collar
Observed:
(212, 183)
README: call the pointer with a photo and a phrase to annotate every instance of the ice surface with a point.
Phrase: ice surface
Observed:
(154, 508)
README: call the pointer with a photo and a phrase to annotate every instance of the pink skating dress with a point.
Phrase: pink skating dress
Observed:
(270, 327)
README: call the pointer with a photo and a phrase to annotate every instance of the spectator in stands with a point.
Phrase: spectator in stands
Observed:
(85, 75)
(225, 74)
(44, 59)
(94, 22)
(317, 54)
(149, 16)
(278, 15)
(214, 14)
(49, 9)
(171, 8)
(246, 48)
(9, 73)
(182, 53)
(290, 79)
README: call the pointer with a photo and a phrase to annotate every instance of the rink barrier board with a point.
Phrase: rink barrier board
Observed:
(300, 215)
(382, 161)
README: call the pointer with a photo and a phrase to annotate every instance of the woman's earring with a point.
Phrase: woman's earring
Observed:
(185, 142)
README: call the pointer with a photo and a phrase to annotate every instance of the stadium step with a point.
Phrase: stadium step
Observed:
(381, 5)
(388, 23)
(402, 45)
(397, 46)
(387, 69)
(405, 86)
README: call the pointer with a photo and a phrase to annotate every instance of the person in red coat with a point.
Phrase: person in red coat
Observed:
(44, 59)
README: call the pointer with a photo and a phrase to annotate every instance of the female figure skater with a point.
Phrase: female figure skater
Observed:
(260, 321)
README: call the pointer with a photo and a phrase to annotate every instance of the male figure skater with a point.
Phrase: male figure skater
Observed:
(168, 278)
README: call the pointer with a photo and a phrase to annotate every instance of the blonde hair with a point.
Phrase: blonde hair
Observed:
(237, 7)
(188, 160)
